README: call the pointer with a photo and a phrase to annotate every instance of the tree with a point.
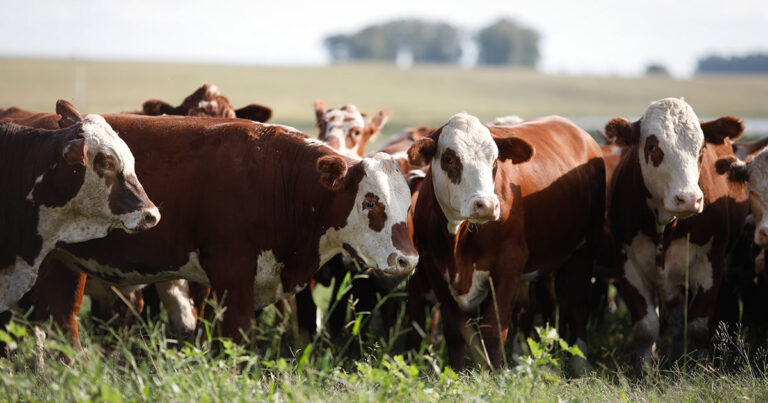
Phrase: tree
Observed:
(754, 63)
(656, 70)
(508, 43)
(428, 42)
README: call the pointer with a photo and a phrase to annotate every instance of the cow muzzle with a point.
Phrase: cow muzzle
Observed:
(484, 209)
(684, 205)
(400, 265)
(141, 220)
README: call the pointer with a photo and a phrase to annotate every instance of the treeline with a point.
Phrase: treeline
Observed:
(755, 63)
(503, 43)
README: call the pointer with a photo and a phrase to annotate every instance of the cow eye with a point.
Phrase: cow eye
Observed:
(447, 159)
(370, 204)
(107, 165)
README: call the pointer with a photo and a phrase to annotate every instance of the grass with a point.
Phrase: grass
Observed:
(144, 364)
(421, 95)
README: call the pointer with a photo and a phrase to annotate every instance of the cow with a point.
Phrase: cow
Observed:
(251, 210)
(61, 187)
(206, 101)
(347, 130)
(672, 217)
(486, 214)
(746, 278)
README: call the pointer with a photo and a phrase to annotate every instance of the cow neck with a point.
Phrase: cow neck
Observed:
(628, 185)
(25, 155)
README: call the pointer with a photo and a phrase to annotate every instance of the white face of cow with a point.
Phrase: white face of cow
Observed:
(671, 142)
(378, 218)
(110, 196)
(344, 128)
(462, 172)
(376, 233)
(755, 174)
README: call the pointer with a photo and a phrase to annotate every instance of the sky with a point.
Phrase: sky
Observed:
(578, 37)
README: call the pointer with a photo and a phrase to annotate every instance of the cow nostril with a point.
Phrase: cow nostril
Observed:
(149, 219)
(679, 200)
(402, 263)
(699, 200)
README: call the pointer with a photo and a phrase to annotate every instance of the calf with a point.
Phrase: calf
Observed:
(498, 202)
(665, 191)
(206, 101)
(60, 187)
(347, 130)
(258, 240)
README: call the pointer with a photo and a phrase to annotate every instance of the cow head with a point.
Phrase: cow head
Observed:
(110, 195)
(375, 232)
(464, 154)
(346, 129)
(670, 142)
(755, 174)
(207, 101)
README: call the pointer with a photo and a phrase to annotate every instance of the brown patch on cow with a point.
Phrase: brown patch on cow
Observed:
(622, 132)
(514, 149)
(652, 150)
(401, 240)
(351, 138)
(255, 112)
(376, 212)
(127, 195)
(76, 152)
(736, 169)
(451, 164)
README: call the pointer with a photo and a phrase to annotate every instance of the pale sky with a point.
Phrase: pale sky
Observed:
(578, 37)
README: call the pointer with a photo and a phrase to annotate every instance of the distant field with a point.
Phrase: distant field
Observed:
(421, 95)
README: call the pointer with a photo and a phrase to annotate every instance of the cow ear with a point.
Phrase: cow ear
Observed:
(255, 112)
(716, 131)
(156, 107)
(320, 110)
(623, 133)
(734, 167)
(422, 151)
(380, 120)
(76, 152)
(69, 114)
(515, 149)
(333, 170)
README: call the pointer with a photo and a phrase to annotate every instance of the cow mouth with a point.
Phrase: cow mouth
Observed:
(359, 260)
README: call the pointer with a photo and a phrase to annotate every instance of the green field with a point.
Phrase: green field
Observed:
(143, 364)
(421, 95)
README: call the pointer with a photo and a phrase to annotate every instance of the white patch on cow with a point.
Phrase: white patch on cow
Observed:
(473, 144)
(205, 103)
(478, 290)
(317, 143)
(179, 304)
(383, 180)
(267, 285)
(15, 281)
(680, 138)
(339, 123)
(508, 120)
(698, 327)
(37, 180)
(672, 279)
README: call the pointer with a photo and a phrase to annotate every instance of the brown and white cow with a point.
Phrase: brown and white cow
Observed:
(60, 187)
(207, 101)
(249, 209)
(487, 213)
(347, 130)
(664, 191)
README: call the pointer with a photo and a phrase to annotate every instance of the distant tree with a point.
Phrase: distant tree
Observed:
(754, 63)
(656, 69)
(508, 43)
(427, 42)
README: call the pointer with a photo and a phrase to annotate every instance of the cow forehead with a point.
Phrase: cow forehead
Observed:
(469, 138)
(102, 138)
(345, 117)
(382, 174)
(673, 122)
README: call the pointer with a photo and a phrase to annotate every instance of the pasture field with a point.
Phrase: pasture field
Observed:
(145, 364)
(421, 95)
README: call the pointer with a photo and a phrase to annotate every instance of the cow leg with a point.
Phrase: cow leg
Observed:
(573, 287)
(176, 298)
(57, 294)
(454, 320)
(232, 276)
(702, 314)
(418, 286)
(306, 311)
(645, 321)
(494, 324)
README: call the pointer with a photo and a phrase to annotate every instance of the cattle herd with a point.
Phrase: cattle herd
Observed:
(490, 223)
